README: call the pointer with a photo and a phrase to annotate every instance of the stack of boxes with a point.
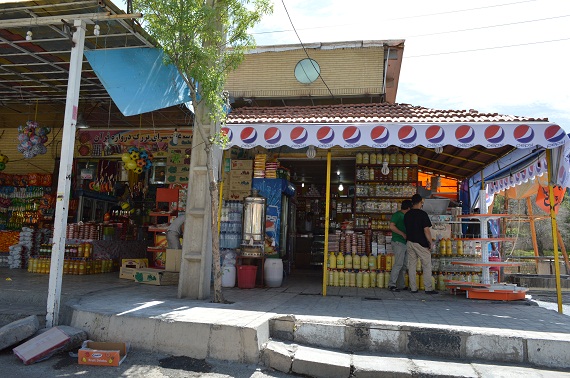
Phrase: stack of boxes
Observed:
(259, 166)
(237, 182)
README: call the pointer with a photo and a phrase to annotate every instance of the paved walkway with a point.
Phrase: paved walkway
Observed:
(299, 295)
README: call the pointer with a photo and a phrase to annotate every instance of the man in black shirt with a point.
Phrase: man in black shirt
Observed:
(419, 244)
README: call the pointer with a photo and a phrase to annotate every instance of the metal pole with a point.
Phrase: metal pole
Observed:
(64, 181)
(554, 228)
(327, 205)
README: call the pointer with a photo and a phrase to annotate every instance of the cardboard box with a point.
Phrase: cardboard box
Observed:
(241, 164)
(236, 195)
(134, 263)
(173, 260)
(102, 353)
(440, 231)
(41, 346)
(241, 180)
(157, 277)
(127, 273)
(238, 174)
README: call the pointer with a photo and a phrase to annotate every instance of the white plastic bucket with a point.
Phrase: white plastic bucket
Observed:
(228, 276)
(273, 272)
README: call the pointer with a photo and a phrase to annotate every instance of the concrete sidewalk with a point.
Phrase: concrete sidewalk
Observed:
(346, 320)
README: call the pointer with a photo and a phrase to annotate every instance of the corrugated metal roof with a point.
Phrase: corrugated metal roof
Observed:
(35, 71)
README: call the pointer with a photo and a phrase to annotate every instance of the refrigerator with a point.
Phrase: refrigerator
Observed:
(278, 193)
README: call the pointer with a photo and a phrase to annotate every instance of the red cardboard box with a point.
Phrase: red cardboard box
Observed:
(102, 353)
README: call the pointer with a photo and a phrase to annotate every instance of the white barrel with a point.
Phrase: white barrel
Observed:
(273, 272)
(228, 276)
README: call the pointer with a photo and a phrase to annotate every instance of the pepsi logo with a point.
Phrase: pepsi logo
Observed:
(531, 171)
(248, 135)
(464, 134)
(494, 134)
(351, 134)
(299, 135)
(554, 134)
(407, 134)
(379, 134)
(524, 175)
(272, 135)
(435, 134)
(228, 132)
(524, 134)
(325, 135)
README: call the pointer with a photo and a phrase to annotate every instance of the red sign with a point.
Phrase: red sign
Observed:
(543, 198)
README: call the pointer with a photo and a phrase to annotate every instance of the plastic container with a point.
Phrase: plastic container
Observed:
(246, 276)
(273, 272)
(228, 276)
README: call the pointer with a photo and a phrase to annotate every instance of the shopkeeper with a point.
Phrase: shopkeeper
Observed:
(175, 231)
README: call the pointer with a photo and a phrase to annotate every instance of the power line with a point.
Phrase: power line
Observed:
(489, 48)
(305, 50)
(488, 26)
(395, 19)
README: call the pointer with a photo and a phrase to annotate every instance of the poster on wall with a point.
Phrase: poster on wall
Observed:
(97, 143)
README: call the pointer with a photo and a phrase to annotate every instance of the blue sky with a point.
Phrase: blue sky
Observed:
(500, 56)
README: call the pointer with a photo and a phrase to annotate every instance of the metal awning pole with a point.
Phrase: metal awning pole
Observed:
(64, 180)
(554, 228)
(327, 207)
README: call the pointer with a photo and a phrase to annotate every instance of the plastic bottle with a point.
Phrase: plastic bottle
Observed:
(418, 266)
(386, 279)
(389, 262)
(366, 279)
(440, 281)
(372, 158)
(356, 261)
(380, 279)
(373, 280)
(340, 261)
(359, 158)
(420, 281)
(331, 278)
(348, 261)
(331, 262)
(448, 247)
(335, 277)
(364, 262)
(372, 263)
(352, 278)
(341, 277)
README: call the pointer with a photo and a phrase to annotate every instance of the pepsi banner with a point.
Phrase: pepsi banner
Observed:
(405, 135)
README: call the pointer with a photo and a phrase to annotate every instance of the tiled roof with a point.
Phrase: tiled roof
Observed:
(361, 113)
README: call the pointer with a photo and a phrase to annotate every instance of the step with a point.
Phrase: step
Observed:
(293, 358)
(432, 340)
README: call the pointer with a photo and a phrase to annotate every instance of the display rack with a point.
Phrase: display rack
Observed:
(378, 195)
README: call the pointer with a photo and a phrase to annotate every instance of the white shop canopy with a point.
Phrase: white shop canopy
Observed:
(457, 143)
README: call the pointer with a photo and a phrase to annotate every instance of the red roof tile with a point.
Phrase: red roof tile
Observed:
(362, 113)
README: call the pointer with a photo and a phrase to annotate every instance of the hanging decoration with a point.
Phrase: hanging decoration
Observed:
(32, 139)
(3, 161)
(137, 160)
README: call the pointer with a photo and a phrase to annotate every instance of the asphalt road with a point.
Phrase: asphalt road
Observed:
(139, 363)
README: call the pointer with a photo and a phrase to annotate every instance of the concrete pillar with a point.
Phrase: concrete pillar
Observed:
(196, 266)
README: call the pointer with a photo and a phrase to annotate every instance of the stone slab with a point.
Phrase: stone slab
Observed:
(11, 334)
(321, 363)
(366, 366)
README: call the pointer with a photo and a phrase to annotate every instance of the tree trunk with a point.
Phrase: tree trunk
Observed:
(216, 263)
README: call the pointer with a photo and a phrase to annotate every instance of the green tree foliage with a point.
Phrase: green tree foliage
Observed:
(205, 40)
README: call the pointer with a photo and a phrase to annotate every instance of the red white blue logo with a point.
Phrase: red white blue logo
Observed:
(325, 135)
(435, 134)
(554, 134)
(299, 135)
(228, 132)
(494, 134)
(248, 135)
(531, 171)
(272, 135)
(524, 134)
(407, 134)
(379, 134)
(351, 134)
(465, 134)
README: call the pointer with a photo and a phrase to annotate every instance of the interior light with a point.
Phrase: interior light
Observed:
(97, 30)
(340, 187)
(302, 185)
(311, 152)
(29, 35)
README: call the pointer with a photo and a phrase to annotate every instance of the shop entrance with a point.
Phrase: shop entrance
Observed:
(307, 237)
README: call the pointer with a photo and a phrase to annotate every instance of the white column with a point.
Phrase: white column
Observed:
(64, 180)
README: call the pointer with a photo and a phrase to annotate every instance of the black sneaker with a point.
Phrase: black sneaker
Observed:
(393, 288)
(413, 291)
(431, 292)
